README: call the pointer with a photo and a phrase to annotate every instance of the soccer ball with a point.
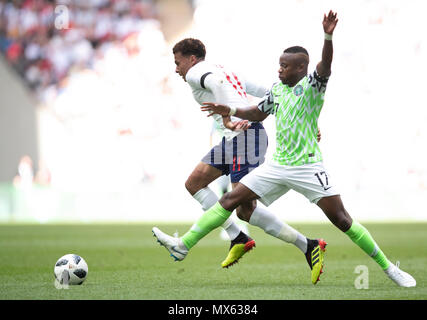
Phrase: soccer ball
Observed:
(70, 269)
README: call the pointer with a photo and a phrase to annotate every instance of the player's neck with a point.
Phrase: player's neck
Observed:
(296, 81)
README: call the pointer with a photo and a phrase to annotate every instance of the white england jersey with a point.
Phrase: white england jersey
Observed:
(214, 83)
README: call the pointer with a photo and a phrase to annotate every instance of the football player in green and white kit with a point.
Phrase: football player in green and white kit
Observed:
(296, 102)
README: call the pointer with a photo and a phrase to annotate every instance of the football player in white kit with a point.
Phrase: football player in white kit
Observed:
(236, 155)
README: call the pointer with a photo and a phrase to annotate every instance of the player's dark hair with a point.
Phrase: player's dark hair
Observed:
(190, 46)
(296, 49)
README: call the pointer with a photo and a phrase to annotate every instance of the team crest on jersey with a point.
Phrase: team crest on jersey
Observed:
(298, 90)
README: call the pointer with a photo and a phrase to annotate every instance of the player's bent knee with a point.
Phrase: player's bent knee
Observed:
(229, 201)
(195, 182)
(201, 177)
(190, 187)
(342, 222)
(239, 196)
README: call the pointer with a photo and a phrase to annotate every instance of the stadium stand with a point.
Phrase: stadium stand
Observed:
(45, 41)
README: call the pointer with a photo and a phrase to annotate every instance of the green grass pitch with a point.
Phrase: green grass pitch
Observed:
(125, 262)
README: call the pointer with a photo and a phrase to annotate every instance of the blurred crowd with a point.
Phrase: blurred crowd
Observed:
(45, 40)
(99, 64)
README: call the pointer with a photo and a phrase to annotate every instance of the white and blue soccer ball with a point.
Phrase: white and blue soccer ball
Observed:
(71, 269)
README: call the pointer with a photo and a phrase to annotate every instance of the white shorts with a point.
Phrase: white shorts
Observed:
(272, 180)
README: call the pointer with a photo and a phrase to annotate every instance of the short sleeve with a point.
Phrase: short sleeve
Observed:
(317, 82)
(266, 105)
(196, 79)
(255, 89)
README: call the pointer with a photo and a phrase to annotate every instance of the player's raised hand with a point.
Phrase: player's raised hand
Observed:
(215, 108)
(329, 22)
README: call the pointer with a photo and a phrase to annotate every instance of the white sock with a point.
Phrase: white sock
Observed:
(222, 183)
(207, 198)
(267, 221)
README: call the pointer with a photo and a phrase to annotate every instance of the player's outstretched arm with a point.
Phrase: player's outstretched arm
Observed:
(329, 23)
(250, 113)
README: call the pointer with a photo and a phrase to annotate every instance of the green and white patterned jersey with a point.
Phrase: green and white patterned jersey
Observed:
(297, 110)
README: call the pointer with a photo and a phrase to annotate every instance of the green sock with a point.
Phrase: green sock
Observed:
(361, 236)
(211, 219)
